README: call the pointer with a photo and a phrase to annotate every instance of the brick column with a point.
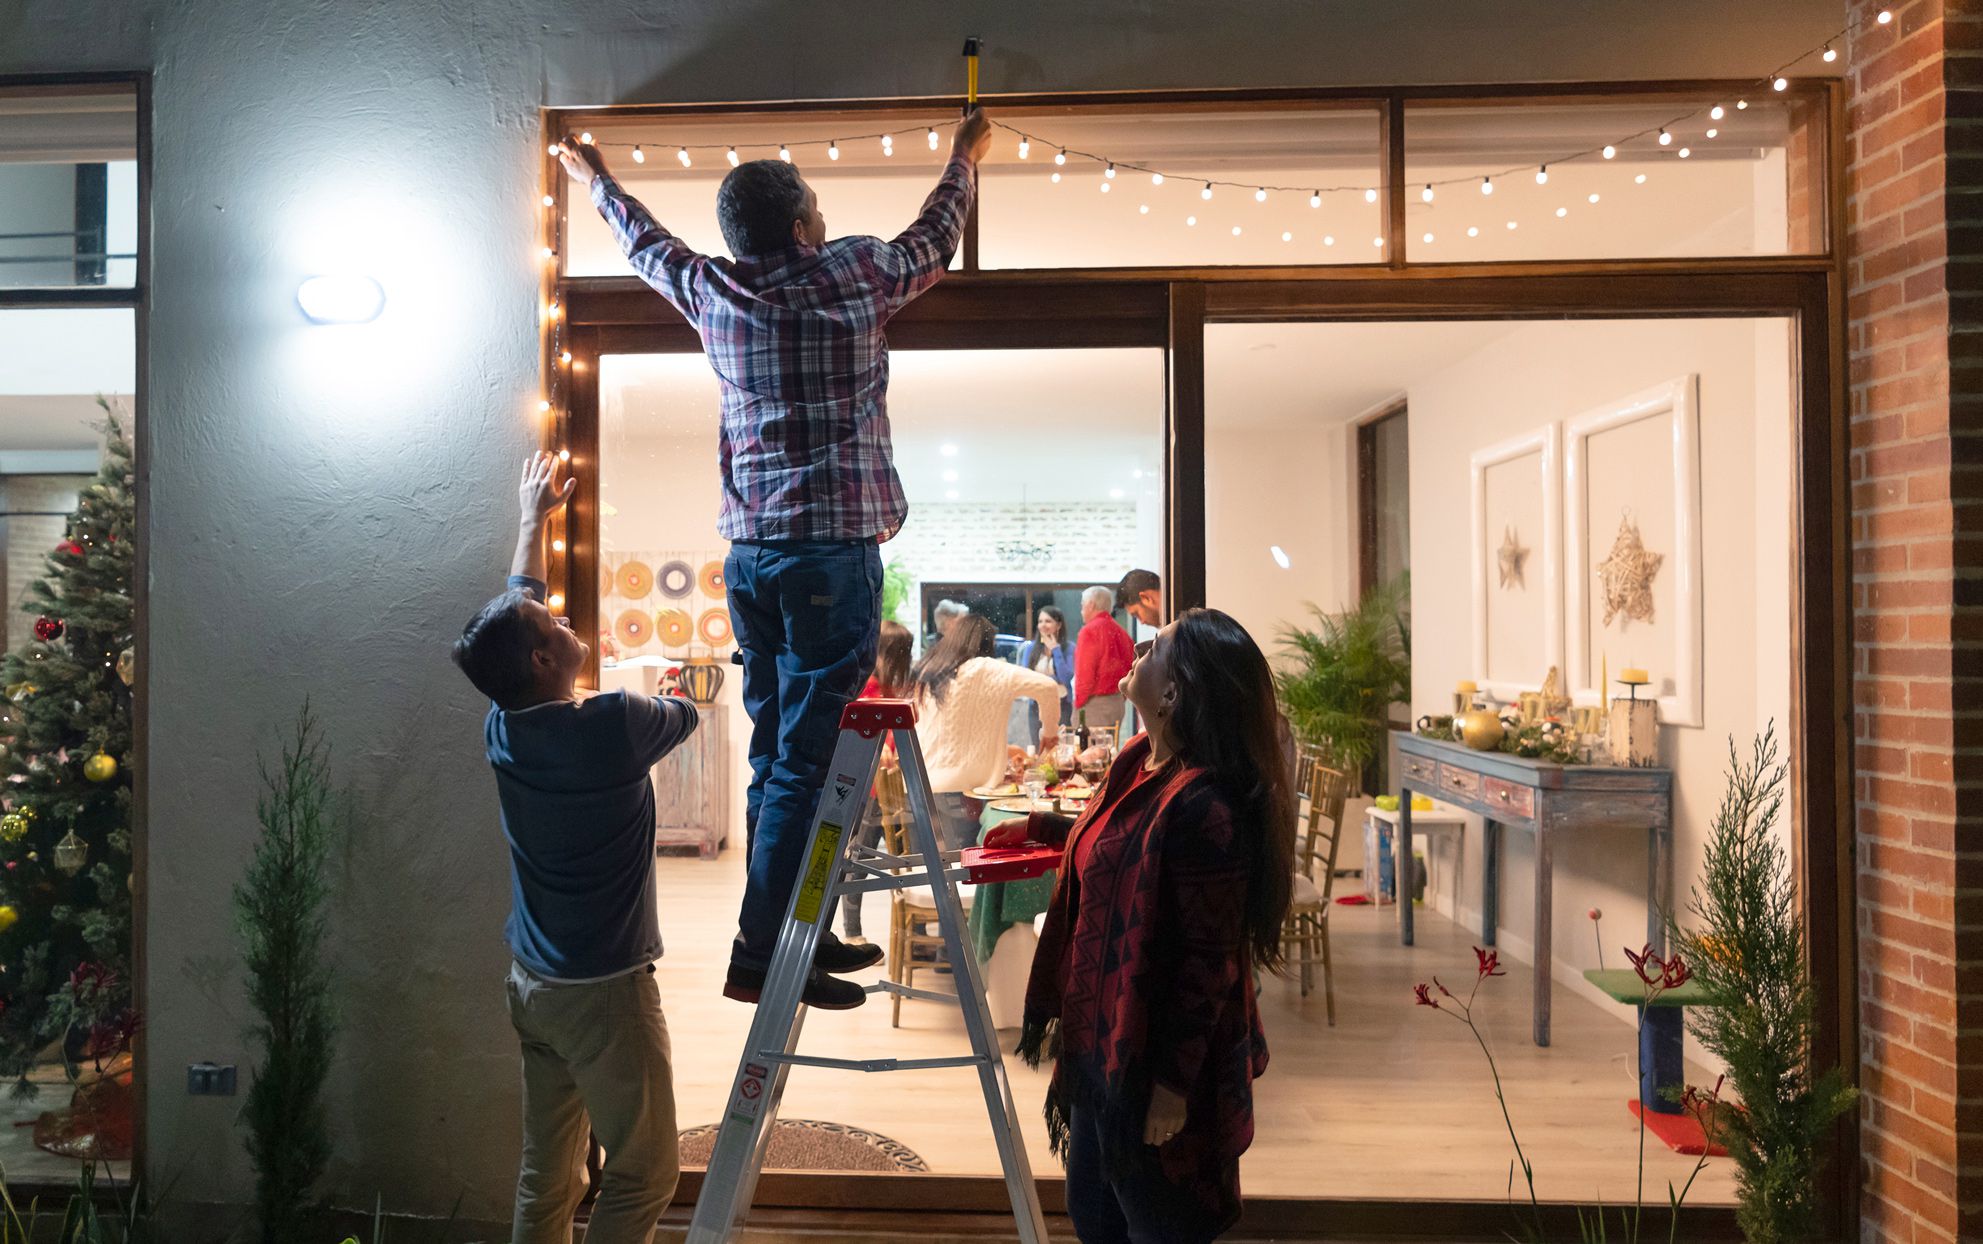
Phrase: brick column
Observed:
(1914, 155)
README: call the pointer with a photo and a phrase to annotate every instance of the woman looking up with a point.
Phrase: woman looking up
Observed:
(1172, 892)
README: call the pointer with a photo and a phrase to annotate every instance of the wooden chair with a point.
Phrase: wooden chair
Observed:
(1321, 793)
(914, 945)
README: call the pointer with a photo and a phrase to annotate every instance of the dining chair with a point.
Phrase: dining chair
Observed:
(1321, 795)
(915, 943)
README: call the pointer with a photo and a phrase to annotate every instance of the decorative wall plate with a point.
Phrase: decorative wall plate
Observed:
(633, 627)
(674, 627)
(633, 580)
(713, 582)
(675, 579)
(714, 627)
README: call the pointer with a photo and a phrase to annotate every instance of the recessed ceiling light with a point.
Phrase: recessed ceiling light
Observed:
(948, 450)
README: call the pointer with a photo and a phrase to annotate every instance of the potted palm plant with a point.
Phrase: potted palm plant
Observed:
(1339, 678)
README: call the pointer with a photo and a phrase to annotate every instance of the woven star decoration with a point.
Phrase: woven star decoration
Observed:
(1512, 555)
(1627, 575)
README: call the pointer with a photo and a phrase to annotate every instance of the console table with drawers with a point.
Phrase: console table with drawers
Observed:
(1547, 800)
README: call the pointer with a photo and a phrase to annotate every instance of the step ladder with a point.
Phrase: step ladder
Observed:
(832, 869)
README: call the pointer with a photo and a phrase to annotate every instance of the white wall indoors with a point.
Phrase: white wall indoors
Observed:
(328, 505)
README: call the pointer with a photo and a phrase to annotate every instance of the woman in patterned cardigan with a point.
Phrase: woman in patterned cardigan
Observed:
(1174, 887)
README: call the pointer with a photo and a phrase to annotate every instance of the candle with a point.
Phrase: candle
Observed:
(1629, 675)
(1466, 686)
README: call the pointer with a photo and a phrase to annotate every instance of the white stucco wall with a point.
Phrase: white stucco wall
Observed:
(327, 505)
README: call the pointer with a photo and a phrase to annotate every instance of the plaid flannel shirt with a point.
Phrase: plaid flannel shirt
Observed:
(796, 340)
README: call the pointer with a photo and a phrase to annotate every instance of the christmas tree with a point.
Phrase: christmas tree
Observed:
(65, 804)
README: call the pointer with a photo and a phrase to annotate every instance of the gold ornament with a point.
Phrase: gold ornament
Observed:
(1627, 575)
(13, 827)
(100, 767)
(1482, 730)
(20, 691)
(1511, 555)
(71, 853)
(8, 918)
(127, 665)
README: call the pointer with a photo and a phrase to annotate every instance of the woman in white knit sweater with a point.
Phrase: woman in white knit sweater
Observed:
(964, 696)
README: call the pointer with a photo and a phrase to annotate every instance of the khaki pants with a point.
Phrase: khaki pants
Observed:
(597, 1050)
(1102, 710)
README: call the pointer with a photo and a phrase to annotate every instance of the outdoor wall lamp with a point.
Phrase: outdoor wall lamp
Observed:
(341, 299)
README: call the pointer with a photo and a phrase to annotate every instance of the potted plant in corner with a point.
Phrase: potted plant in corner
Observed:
(1338, 680)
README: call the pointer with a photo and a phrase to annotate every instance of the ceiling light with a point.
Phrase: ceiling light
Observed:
(1279, 555)
(347, 299)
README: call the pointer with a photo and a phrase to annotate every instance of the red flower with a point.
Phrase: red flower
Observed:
(1646, 964)
(1702, 1104)
(1440, 987)
(1675, 972)
(1490, 962)
(1425, 998)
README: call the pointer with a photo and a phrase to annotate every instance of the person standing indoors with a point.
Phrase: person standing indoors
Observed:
(578, 812)
(1175, 882)
(890, 681)
(793, 327)
(1141, 592)
(1049, 652)
(964, 696)
(1102, 656)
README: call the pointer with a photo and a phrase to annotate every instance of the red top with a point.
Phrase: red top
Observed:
(872, 691)
(1102, 657)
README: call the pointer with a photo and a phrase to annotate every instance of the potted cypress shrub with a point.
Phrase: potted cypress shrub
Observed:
(1339, 679)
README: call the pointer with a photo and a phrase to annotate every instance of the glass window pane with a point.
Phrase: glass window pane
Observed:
(1030, 220)
(1030, 475)
(1748, 182)
(866, 191)
(68, 188)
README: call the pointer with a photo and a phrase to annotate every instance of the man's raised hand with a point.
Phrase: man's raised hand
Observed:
(581, 160)
(540, 491)
(973, 136)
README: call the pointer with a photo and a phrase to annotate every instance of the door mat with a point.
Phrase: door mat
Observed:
(810, 1145)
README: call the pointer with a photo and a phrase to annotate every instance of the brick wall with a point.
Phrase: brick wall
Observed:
(1094, 542)
(1914, 167)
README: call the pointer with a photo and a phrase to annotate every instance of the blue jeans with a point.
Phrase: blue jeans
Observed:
(1133, 1207)
(807, 617)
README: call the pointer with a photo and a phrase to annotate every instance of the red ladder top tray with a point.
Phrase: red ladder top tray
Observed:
(1009, 863)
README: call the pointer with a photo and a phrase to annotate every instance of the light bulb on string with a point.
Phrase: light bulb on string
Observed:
(1060, 157)
(731, 156)
(639, 156)
(1473, 231)
(1025, 145)
(1593, 198)
(1260, 195)
(1315, 198)
(1884, 17)
(550, 252)
(557, 546)
(557, 600)
(1640, 180)
(1831, 54)
(1511, 226)
(1191, 220)
(1685, 152)
(564, 455)
(833, 149)
(1143, 209)
(550, 201)
(1610, 152)
(1426, 194)
(1542, 176)
(888, 144)
(1561, 212)
(682, 154)
(932, 138)
(544, 407)
(1328, 239)
(1109, 172)
(1781, 84)
(1287, 237)
(1665, 139)
(1427, 239)
(1378, 240)
(555, 148)
(784, 153)
(1235, 230)
(1717, 112)
(1487, 185)
(1056, 176)
(1713, 132)
(1741, 104)
(1156, 179)
(1370, 196)
(1206, 193)
(565, 357)
(1105, 187)
(586, 138)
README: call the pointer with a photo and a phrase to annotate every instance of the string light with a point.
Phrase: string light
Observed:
(1056, 176)
(1206, 193)
(639, 156)
(544, 406)
(1741, 104)
(565, 357)
(1593, 198)
(1610, 152)
(1191, 220)
(1260, 195)
(1830, 54)
(1713, 132)
(1370, 196)
(1105, 187)
(1287, 237)
(1665, 139)
(731, 156)
(1377, 241)
(557, 546)
(1025, 145)
(682, 154)
(564, 455)
(1473, 231)
(1328, 239)
(1428, 239)
(1640, 180)
(556, 149)
(1109, 172)
(1060, 157)
(1717, 112)
(1561, 212)
(550, 252)
(1685, 152)
(1143, 209)
(784, 153)
(586, 138)
(888, 144)
(1511, 226)
(557, 600)
(1315, 198)
(833, 149)
(1235, 230)
(1781, 84)
(550, 201)
(1426, 194)
(1542, 176)
(1884, 17)
(932, 138)
(1487, 185)
(1156, 179)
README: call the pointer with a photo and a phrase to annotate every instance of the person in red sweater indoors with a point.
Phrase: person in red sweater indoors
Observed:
(1175, 882)
(1102, 656)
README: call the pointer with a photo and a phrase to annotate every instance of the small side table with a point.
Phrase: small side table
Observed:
(1437, 819)
(1662, 1055)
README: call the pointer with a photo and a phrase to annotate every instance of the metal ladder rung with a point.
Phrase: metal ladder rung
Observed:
(901, 881)
(909, 991)
(872, 1064)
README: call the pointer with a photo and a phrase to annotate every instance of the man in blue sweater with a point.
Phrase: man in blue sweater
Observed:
(578, 811)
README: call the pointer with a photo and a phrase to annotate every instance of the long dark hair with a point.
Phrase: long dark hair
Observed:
(1226, 721)
(1059, 621)
(971, 635)
(891, 659)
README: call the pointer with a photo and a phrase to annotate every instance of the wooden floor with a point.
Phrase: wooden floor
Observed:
(1394, 1102)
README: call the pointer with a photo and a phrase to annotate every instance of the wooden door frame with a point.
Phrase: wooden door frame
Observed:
(1171, 308)
(1366, 491)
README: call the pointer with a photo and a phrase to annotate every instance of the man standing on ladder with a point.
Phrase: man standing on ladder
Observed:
(793, 327)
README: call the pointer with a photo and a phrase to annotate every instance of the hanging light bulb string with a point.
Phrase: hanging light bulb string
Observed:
(1774, 81)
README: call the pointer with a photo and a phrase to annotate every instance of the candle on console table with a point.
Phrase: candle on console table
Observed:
(1466, 686)
(1633, 676)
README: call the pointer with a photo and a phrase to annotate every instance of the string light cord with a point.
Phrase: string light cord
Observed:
(1768, 81)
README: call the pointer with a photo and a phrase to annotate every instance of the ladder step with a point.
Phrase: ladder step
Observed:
(908, 991)
(902, 881)
(872, 1064)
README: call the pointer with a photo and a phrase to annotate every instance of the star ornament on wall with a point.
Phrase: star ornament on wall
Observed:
(1627, 575)
(1512, 555)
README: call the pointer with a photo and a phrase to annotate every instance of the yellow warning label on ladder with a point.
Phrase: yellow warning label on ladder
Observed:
(825, 850)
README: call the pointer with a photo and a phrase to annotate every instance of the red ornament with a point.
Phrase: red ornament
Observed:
(70, 547)
(48, 630)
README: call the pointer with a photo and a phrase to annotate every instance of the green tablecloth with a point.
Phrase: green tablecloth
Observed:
(998, 905)
(1624, 985)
